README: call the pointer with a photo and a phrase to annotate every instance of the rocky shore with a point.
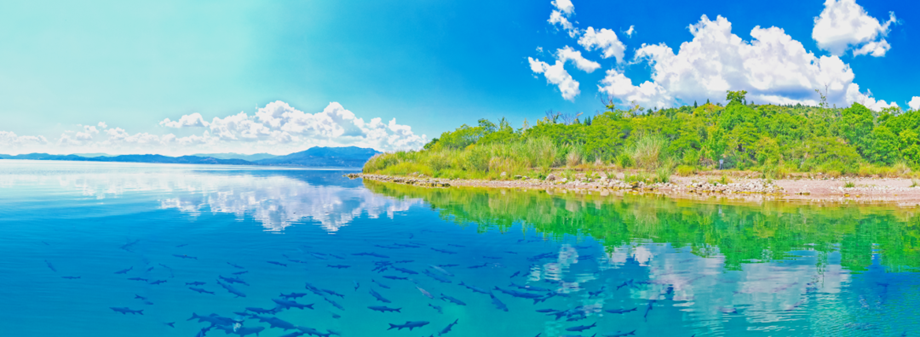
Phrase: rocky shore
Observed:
(894, 191)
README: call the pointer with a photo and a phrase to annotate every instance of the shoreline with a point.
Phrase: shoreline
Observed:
(900, 192)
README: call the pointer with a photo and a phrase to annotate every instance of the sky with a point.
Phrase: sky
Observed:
(184, 77)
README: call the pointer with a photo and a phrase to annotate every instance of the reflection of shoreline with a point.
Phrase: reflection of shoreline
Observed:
(744, 233)
(275, 198)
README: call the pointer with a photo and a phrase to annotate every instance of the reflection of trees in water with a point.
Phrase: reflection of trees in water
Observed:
(743, 233)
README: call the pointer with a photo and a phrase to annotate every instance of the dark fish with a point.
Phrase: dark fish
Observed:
(129, 244)
(447, 265)
(546, 310)
(625, 283)
(378, 297)
(443, 251)
(137, 279)
(581, 328)
(158, 282)
(123, 311)
(438, 308)
(201, 291)
(404, 270)
(196, 283)
(543, 256)
(240, 272)
(292, 295)
(384, 309)
(380, 284)
(475, 289)
(449, 326)
(231, 289)
(478, 266)
(334, 304)
(619, 334)
(409, 325)
(124, 271)
(515, 274)
(649, 308)
(149, 269)
(404, 261)
(452, 300)
(185, 257)
(262, 311)
(597, 293)
(337, 266)
(275, 322)
(235, 279)
(395, 277)
(357, 285)
(340, 257)
(139, 297)
(330, 292)
(620, 311)
(536, 298)
(70, 277)
(235, 265)
(214, 319)
(50, 266)
(372, 254)
(182, 245)
(277, 263)
(498, 304)
(287, 304)
(170, 324)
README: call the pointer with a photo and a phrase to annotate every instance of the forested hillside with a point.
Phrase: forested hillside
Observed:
(776, 140)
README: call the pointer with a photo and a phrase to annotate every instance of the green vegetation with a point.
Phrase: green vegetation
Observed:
(775, 140)
(742, 233)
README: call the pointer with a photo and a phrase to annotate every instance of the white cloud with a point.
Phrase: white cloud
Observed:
(631, 31)
(186, 121)
(102, 125)
(914, 103)
(569, 54)
(603, 39)
(556, 74)
(565, 6)
(772, 68)
(276, 128)
(557, 19)
(843, 24)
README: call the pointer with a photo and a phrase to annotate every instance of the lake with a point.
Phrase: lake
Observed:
(117, 249)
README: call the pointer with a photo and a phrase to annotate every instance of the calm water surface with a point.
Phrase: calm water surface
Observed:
(80, 240)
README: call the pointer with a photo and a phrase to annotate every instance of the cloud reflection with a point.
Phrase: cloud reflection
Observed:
(277, 199)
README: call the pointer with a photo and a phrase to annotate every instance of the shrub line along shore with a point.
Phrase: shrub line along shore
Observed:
(740, 186)
(813, 153)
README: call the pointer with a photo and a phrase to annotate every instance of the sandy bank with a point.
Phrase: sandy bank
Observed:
(891, 191)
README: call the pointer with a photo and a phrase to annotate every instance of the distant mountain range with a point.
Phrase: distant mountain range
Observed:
(314, 157)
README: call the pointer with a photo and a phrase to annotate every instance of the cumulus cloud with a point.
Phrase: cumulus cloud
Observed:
(559, 16)
(631, 31)
(773, 68)
(565, 6)
(843, 25)
(605, 40)
(557, 19)
(569, 54)
(102, 125)
(186, 121)
(556, 74)
(276, 128)
(914, 103)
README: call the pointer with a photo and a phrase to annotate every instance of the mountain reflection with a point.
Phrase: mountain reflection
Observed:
(275, 198)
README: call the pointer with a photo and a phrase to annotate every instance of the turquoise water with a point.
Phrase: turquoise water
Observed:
(67, 229)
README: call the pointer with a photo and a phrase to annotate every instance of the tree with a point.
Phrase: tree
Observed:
(735, 96)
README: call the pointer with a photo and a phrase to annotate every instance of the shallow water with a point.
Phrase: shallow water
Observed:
(688, 268)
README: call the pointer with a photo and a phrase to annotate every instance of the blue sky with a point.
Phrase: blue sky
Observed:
(334, 73)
